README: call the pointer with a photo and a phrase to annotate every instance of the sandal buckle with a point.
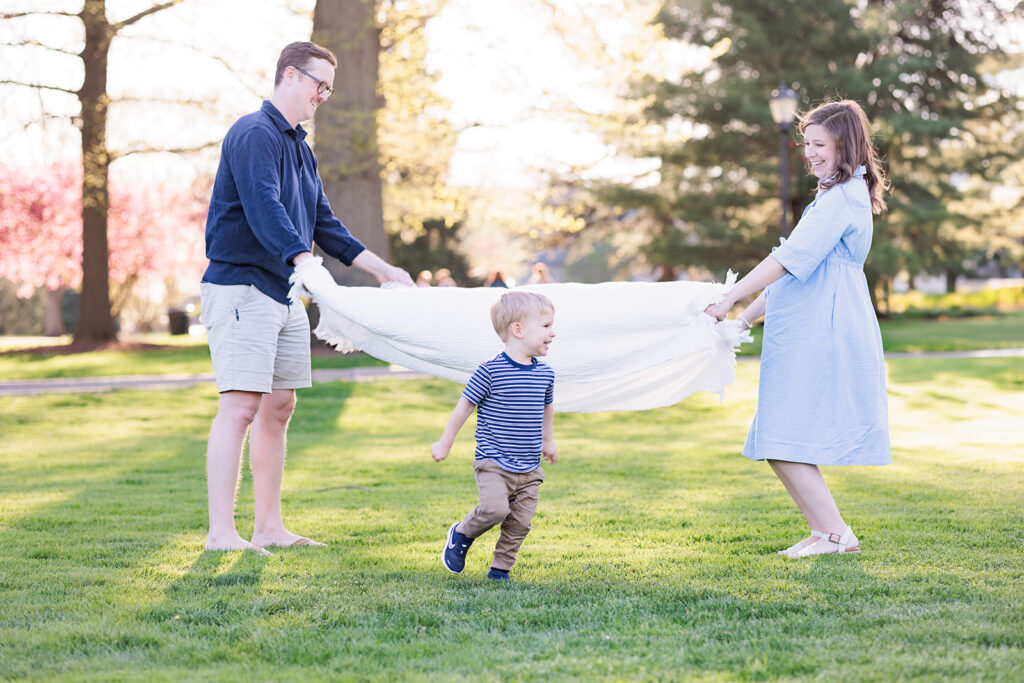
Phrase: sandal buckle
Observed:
(835, 538)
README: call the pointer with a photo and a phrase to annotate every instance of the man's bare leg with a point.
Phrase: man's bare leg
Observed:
(235, 412)
(267, 443)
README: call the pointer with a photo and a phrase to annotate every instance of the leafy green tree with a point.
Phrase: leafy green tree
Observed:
(436, 245)
(916, 68)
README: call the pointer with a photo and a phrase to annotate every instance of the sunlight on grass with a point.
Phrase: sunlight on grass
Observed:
(16, 505)
(184, 358)
(987, 416)
(10, 343)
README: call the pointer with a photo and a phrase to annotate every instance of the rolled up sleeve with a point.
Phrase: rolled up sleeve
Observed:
(815, 236)
(331, 235)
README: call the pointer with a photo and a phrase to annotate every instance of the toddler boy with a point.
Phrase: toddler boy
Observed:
(512, 394)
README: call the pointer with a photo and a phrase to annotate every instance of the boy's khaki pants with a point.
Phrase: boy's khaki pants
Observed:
(506, 498)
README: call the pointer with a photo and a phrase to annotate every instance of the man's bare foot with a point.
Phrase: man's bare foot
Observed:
(285, 539)
(236, 543)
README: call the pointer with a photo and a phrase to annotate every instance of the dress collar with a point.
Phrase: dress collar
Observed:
(858, 172)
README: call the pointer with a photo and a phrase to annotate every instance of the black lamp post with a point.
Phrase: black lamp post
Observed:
(783, 102)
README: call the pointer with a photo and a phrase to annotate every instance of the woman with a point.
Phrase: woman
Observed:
(821, 399)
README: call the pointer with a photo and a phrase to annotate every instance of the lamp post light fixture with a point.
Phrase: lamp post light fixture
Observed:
(783, 103)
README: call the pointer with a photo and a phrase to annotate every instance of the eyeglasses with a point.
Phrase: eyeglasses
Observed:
(321, 86)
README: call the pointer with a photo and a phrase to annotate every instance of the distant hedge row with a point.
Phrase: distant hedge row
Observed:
(958, 304)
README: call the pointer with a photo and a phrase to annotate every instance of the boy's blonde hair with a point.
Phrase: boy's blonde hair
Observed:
(514, 307)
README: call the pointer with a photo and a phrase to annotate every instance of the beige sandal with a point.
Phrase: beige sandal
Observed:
(830, 544)
(800, 545)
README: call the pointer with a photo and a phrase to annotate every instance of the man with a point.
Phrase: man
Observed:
(268, 208)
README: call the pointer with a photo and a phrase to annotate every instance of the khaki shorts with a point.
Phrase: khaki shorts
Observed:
(256, 343)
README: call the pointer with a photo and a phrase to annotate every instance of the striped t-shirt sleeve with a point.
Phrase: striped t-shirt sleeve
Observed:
(479, 386)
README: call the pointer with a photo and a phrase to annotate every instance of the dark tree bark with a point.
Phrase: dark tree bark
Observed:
(346, 127)
(95, 321)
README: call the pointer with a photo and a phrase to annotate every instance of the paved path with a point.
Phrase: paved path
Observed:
(63, 385)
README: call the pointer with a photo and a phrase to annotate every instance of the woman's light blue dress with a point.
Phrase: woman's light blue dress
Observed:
(821, 398)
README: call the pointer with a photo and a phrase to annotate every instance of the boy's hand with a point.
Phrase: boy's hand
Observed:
(438, 452)
(550, 452)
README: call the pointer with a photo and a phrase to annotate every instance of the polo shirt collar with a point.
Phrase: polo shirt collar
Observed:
(298, 132)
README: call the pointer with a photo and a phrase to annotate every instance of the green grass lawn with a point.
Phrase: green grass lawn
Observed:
(1005, 330)
(904, 334)
(185, 355)
(651, 556)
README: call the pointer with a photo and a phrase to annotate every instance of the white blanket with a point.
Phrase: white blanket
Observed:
(618, 345)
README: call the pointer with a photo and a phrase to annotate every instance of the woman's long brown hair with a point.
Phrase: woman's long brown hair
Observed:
(846, 122)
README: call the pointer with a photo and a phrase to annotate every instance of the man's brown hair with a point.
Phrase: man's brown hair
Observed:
(299, 55)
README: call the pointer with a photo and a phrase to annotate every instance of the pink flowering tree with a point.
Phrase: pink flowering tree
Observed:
(155, 235)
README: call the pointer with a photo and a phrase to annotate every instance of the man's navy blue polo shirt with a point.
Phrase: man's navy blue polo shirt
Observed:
(268, 205)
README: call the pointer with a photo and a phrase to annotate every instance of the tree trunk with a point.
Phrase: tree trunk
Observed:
(951, 282)
(54, 313)
(346, 127)
(95, 322)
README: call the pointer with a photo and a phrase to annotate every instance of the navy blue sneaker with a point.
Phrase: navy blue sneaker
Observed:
(454, 556)
(498, 575)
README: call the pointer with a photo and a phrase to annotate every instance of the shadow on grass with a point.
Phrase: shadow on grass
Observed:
(1002, 375)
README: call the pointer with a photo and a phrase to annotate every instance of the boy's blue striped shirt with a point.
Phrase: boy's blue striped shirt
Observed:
(510, 400)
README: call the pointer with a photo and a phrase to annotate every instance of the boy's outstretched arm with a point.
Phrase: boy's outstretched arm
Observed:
(548, 449)
(463, 409)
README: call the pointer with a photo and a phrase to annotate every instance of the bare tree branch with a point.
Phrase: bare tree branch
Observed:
(239, 75)
(146, 12)
(164, 150)
(41, 121)
(36, 43)
(41, 86)
(160, 100)
(15, 15)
